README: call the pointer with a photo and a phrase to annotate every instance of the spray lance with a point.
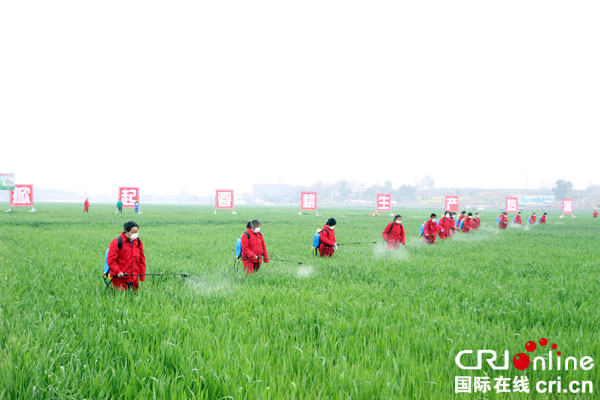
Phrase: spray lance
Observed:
(274, 259)
(347, 243)
(108, 282)
(238, 260)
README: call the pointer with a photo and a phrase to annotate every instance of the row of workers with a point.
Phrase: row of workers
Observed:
(503, 219)
(126, 260)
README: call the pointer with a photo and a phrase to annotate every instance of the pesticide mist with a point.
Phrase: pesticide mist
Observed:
(208, 285)
(381, 250)
(305, 271)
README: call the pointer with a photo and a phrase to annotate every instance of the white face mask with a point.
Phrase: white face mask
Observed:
(398, 222)
(433, 220)
(133, 236)
(256, 230)
(332, 227)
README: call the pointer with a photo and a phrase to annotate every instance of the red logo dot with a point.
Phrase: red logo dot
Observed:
(543, 341)
(530, 346)
(521, 361)
(554, 346)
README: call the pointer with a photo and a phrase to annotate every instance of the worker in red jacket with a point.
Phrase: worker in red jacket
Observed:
(503, 220)
(452, 224)
(476, 222)
(517, 218)
(444, 226)
(254, 250)
(86, 205)
(327, 245)
(462, 216)
(595, 214)
(126, 259)
(393, 234)
(532, 218)
(466, 223)
(430, 230)
(543, 218)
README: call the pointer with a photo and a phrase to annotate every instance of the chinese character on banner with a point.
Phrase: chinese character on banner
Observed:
(129, 196)
(567, 206)
(308, 201)
(502, 385)
(452, 203)
(224, 199)
(512, 204)
(384, 202)
(21, 196)
(520, 384)
(482, 384)
(462, 384)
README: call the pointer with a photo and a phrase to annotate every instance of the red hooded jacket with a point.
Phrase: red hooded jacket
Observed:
(518, 219)
(532, 219)
(542, 219)
(327, 237)
(430, 231)
(444, 226)
(503, 221)
(129, 260)
(253, 245)
(467, 222)
(394, 232)
(476, 223)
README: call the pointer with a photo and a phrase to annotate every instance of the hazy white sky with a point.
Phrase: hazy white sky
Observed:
(194, 95)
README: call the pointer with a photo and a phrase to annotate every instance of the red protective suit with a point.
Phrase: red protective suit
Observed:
(253, 246)
(542, 219)
(444, 226)
(467, 223)
(503, 221)
(429, 232)
(129, 260)
(532, 219)
(476, 223)
(86, 206)
(393, 234)
(452, 227)
(327, 237)
(518, 219)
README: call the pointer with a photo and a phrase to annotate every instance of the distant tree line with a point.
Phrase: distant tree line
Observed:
(347, 191)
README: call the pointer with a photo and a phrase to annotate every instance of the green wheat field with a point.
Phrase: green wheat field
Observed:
(367, 324)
